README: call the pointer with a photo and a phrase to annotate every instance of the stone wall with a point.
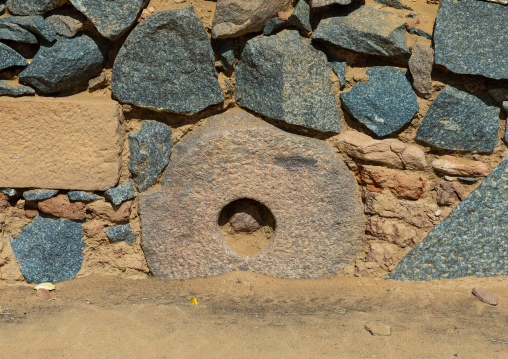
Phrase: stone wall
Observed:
(109, 114)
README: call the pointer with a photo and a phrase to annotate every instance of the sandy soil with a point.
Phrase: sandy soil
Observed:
(244, 315)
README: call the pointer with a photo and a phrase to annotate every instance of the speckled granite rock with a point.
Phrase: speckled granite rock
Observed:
(82, 196)
(111, 18)
(385, 103)
(9, 57)
(273, 26)
(150, 150)
(67, 23)
(32, 7)
(470, 241)
(167, 63)
(121, 193)
(301, 16)
(38, 195)
(35, 24)
(233, 18)
(458, 120)
(308, 189)
(321, 3)
(121, 233)
(65, 64)
(49, 250)
(9, 88)
(365, 30)
(296, 88)
(226, 52)
(469, 30)
(338, 66)
(396, 4)
(16, 33)
(420, 66)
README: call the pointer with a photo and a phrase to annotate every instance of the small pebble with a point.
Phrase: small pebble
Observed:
(378, 328)
(485, 296)
(43, 293)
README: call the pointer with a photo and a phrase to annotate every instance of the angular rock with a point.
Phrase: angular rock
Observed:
(413, 158)
(469, 30)
(49, 250)
(65, 64)
(273, 26)
(365, 30)
(458, 120)
(420, 67)
(11, 192)
(296, 89)
(235, 18)
(82, 196)
(105, 211)
(301, 16)
(456, 166)
(167, 63)
(16, 33)
(36, 24)
(121, 193)
(32, 7)
(396, 4)
(226, 52)
(391, 231)
(420, 32)
(308, 189)
(66, 24)
(470, 241)
(485, 296)
(322, 3)
(60, 143)
(9, 58)
(61, 207)
(385, 103)
(338, 66)
(121, 233)
(38, 195)
(14, 89)
(111, 18)
(449, 193)
(378, 328)
(150, 150)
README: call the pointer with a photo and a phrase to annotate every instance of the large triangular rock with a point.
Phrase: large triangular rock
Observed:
(471, 241)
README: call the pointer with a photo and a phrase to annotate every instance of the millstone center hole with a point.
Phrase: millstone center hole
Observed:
(247, 225)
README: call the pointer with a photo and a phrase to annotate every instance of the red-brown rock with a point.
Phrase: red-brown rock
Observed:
(456, 166)
(106, 211)
(485, 296)
(43, 293)
(61, 207)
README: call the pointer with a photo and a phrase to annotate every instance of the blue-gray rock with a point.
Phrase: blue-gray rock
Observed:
(16, 33)
(458, 120)
(470, 37)
(121, 193)
(385, 103)
(167, 63)
(150, 149)
(338, 66)
(301, 16)
(36, 24)
(470, 179)
(226, 52)
(14, 89)
(121, 233)
(420, 32)
(365, 30)
(65, 64)
(273, 26)
(9, 57)
(49, 250)
(39, 195)
(395, 4)
(66, 23)
(284, 78)
(82, 196)
(471, 241)
(11, 192)
(32, 7)
(111, 18)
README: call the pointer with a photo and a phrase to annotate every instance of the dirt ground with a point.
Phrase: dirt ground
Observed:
(245, 315)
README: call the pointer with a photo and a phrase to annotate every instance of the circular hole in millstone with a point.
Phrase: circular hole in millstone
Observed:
(247, 225)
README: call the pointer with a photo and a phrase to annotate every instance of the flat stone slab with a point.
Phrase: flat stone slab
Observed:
(35, 24)
(32, 7)
(167, 64)
(297, 88)
(38, 195)
(385, 103)
(470, 37)
(470, 241)
(14, 89)
(16, 33)
(60, 143)
(306, 186)
(49, 250)
(458, 120)
(365, 30)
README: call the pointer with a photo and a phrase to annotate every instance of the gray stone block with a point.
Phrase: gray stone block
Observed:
(121, 233)
(36, 24)
(32, 7)
(301, 16)
(167, 63)
(284, 78)
(121, 193)
(150, 149)
(470, 241)
(226, 52)
(9, 58)
(39, 195)
(385, 103)
(273, 26)
(16, 33)
(420, 66)
(470, 37)
(8, 88)
(458, 120)
(49, 250)
(82, 196)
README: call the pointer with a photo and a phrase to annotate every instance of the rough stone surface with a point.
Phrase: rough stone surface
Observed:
(49, 250)
(301, 16)
(38, 195)
(235, 18)
(420, 67)
(457, 166)
(470, 241)
(32, 7)
(65, 64)
(296, 88)
(273, 26)
(420, 32)
(82, 196)
(308, 189)
(121, 233)
(391, 231)
(35, 24)
(226, 52)
(385, 103)
(449, 193)
(121, 193)
(16, 33)
(485, 296)
(365, 30)
(105, 211)
(61, 207)
(9, 57)
(60, 143)
(11, 192)
(111, 18)
(14, 89)
(66, 24)
(458, 120)
(167, 63)
(150, 150)
(378, 328)
(470, 37)
(338, 66)
(322, 3)
(396, 4)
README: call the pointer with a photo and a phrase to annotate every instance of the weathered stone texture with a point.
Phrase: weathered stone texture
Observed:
(61, 207)
(396, 4)
(322, 3)
(121, 233)
(14, 89)
(121, 193)
(9, 57)
(38, 195)
(32, 7)
(308, 189)
(16, 33)
(60, 143)
(301, 16)
(36, 24)
(420, 66)
(66, 23)
(456, 166)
